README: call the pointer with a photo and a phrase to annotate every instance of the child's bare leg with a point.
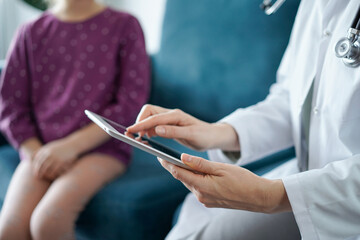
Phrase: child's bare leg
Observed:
(24, 193)
(55, 215)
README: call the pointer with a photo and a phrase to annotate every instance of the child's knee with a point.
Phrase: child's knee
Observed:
(38, 225)
(45, 222)
(13, 228)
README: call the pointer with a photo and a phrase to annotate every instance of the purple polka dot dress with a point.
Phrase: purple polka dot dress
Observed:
(55, 70)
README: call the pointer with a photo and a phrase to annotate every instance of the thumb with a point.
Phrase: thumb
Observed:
(176, 132)
(199, 164)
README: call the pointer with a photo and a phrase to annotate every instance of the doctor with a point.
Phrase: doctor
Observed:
(315, 106)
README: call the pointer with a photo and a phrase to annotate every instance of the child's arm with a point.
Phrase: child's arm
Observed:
(16, 120)
(87, 138)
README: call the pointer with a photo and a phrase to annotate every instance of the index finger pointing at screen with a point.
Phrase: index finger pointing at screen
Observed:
(149, 110)
(170, 117)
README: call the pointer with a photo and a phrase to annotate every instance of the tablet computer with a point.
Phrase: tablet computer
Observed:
(118, 131)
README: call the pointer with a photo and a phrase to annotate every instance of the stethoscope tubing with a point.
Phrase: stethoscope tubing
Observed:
(356, 22)
(347, 48)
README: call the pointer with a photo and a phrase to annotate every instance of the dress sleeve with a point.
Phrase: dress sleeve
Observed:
(325, 201)
(16, 119)
(134, 76)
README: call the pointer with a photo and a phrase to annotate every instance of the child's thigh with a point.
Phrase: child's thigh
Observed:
(23, 194)
(71, 191)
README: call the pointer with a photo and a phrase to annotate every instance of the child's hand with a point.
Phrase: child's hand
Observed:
(53, 159)
(29, 148)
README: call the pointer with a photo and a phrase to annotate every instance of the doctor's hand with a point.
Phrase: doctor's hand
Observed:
(184, 128)
(53, 159)
(229, 186)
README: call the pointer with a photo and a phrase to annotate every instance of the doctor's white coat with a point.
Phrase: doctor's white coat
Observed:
(326, 199)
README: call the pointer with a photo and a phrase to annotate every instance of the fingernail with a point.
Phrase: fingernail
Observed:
(160, 130)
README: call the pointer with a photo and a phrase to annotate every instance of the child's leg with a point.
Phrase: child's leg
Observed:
(55, 215)
(24, 193)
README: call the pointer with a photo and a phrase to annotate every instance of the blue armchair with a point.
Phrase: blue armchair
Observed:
(215, 56)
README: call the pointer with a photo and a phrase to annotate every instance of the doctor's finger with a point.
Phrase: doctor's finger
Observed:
(150, 133)
(172, 117)
(149, 110)
(201, 165)
(174, 132)
(187, 177)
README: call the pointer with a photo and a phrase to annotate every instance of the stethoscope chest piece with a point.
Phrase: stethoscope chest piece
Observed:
(348, 49)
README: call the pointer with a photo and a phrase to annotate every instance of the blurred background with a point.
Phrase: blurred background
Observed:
(15, 12)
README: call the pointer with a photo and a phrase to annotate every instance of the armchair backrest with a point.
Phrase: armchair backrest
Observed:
(218, 55)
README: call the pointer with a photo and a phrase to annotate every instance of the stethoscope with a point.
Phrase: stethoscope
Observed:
(347, 48)
(269, 7)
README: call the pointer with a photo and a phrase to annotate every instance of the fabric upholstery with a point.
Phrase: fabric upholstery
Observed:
(218, 55)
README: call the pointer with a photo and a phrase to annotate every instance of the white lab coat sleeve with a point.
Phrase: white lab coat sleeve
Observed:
(264, 128)
(326, 202)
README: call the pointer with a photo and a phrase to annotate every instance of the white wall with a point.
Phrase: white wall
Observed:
(12, 14)
(149, 12)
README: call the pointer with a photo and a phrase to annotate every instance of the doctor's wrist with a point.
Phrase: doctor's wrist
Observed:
(276, 199)
(225, 138)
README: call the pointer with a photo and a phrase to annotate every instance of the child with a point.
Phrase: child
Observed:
(79, 55)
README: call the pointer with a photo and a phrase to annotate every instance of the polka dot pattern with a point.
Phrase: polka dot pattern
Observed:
(100, 64)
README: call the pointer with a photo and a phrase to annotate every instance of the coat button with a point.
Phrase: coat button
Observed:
(326, 33)
(316, 111)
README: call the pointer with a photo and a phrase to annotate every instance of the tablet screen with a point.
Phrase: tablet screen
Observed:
(122, 129)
